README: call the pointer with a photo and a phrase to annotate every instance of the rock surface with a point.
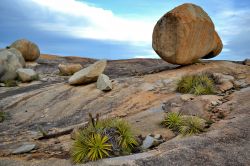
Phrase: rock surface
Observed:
(247, 62)
(150, 141)
(186, 34)
(89, 74)
(29, 50)
(10, 61)
(27, 75)
(56, 106)
(69, 69)
(104, 83)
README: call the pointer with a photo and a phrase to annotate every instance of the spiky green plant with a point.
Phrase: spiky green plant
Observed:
(91, 147)
(173, 121)
(196, 84)
(127, 140)
(191, 125)
(2, 116)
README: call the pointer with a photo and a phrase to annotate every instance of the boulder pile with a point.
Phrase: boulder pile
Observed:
(186, 34)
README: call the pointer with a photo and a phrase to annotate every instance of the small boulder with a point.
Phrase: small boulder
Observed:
(69, 69)
(104, 83)
(27, 75)
(150, 141)
(10, 61)
(89, 74)
(29, 50)
(25, 148)
(225, 86)
(186, 34)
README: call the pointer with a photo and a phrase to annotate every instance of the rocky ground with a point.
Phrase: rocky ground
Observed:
(143, 90)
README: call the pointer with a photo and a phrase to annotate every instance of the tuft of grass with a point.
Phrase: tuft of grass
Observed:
(173, 121)
(10, 83)
(196, 84)
(2, 116)
(191, 125)
(103, 138)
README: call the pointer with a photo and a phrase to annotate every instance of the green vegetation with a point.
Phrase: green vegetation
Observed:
(173, 121)
(103, 138)
(191, 125)
(10, 83)
(2, 116)
(185, 125)
(196, 84)
(35, 77)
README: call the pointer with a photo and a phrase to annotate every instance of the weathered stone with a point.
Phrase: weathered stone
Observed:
(89, 74)
(69, 69)
(226, 86)
(10, 61)
(26, 75)
(29, 50)
(24, 148)
(223, 78)
(104, 83)
(150, 141)
(185, 34)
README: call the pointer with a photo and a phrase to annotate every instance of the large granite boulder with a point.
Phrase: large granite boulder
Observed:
(29, 50)
(10, 61)
(89, 74)
(69, 69)
(186, 34)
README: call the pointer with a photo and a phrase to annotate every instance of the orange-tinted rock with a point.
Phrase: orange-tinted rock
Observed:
(29, 50)
(69, 69)
(186, 34)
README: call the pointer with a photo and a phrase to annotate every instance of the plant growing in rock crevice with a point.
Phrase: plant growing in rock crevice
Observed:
(2, 116)
(185, 125)
(196, 84)
(103, 138)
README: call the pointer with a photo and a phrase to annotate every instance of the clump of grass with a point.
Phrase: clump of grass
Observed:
(196, 84)
(173, 121)
(103, 138)
(10, 83)
(185, 125)
(2, 116)
(191, 125)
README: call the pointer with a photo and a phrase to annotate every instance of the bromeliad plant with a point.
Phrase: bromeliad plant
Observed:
(196, 84)
(103, 138)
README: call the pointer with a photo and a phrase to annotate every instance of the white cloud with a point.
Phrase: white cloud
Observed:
(94, 22)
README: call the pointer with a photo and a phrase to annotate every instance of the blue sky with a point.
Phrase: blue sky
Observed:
(113, 29)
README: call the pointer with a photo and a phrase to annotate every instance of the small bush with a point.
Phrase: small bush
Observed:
(173, 121)
(103, 138)
(10, 83)
(191, 125)
(2, 116)
(196, 84)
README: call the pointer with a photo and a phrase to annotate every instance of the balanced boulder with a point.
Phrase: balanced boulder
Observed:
(29, 50)
(10, 61)
(27, 75)
(69, 69)
(89, 74)
(186, 34)
(104, 83)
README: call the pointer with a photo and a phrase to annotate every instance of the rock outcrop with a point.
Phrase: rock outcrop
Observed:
(186, 34)
(69, 69)
(104, 83)
(89, 74)
(27, 75)
(10, 61)
(29, 50)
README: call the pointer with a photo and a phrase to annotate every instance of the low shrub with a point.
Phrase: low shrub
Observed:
(103, 138)
(196, 84)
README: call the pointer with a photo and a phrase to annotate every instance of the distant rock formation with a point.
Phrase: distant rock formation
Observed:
(29, 50)
(69, 69)
(186, 34)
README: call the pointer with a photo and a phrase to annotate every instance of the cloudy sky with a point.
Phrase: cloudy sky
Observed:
(114, 29)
